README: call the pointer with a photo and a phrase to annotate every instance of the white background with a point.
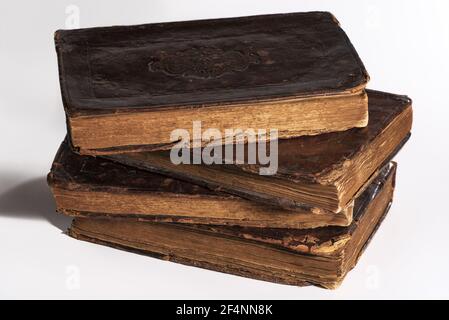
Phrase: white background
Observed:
(405, 47)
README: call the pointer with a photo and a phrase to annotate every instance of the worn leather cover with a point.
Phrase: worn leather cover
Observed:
(308, 158)
(87, 173)
(323, 256)
(307, 240)
(75, 172)
(319, 160)
(206, 62)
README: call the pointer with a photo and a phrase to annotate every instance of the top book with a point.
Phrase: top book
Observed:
(125, 88)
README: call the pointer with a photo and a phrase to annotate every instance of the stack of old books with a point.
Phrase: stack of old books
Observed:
(247, 145)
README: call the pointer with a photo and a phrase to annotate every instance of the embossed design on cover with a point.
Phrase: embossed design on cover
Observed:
(203, 62)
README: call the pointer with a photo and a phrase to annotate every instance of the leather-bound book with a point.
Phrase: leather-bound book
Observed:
(321, 256)
(324, 171)
(86, 186)
(128, 87)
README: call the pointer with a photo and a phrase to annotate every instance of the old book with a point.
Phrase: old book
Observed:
(319, 257)
(324, 171)
(127, 88)
(85, 186)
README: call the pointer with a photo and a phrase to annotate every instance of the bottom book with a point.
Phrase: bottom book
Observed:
(320, 257)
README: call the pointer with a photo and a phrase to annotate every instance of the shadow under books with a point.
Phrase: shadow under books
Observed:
(32, 200)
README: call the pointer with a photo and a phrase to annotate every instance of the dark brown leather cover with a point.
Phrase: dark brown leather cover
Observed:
(206, 62)
(324, 255)
(304, 159)
(86, 173)
(297, 239)
(309, 157)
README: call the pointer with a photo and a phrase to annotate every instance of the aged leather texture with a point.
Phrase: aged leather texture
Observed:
(319, 257)
(299, 238)
(76, 172)
(309, 157)
(206, 62)
(87, 173)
